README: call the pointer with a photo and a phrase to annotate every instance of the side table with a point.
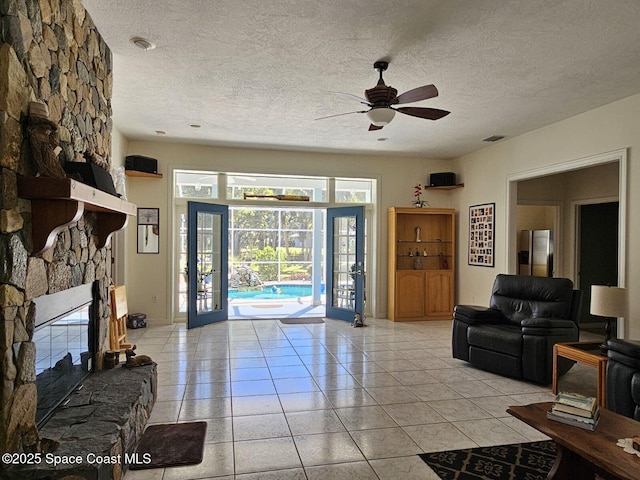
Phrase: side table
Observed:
(587, 353)
(582, 453)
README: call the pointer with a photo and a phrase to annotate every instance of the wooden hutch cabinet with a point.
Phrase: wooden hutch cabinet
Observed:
(421, 243)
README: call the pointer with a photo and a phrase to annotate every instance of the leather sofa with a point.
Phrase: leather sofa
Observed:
(515, 335)
(623, 377)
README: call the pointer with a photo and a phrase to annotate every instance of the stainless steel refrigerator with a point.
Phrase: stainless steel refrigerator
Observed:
(535, 253)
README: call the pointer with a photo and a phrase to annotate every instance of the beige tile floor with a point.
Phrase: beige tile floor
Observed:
(328, 401)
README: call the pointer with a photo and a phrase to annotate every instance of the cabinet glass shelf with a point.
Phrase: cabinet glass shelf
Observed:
(423, 269)
(425, 241)
(431, 255)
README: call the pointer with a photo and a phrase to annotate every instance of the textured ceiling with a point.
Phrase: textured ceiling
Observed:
(259, 72)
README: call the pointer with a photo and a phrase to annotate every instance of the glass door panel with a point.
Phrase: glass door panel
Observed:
(207, 251)
(345, 262)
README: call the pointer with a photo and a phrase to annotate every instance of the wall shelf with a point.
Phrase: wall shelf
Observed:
(446, 187)
(58, 202)
(136, 173)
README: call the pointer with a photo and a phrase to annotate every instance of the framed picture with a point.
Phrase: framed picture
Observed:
(148, 230)
(481, 234)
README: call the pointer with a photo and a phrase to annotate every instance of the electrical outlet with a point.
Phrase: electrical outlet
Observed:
(154, 299)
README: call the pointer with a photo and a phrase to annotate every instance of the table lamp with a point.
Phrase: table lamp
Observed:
(608, 301)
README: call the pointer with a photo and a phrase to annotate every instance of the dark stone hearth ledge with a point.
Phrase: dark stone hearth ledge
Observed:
(105, 419)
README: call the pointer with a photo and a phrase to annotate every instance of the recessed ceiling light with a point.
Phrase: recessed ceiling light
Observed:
(195, 125)
(161, 133)
(493, 138)
(142, 43)
(382, 139)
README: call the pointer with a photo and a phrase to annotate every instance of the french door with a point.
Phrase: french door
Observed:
(345, 262)
(207, 277)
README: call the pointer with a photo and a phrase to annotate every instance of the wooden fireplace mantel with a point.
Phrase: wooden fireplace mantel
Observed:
(58, 202)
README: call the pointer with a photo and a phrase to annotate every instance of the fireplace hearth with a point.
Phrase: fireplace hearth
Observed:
(99, 428)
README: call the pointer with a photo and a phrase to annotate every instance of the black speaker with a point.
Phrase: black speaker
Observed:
(92, 175)
(141, 164)
(444, 179)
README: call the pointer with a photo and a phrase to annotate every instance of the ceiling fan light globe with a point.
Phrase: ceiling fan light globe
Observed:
(381, 116)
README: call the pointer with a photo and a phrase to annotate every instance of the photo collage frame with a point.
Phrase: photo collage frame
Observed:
(481, 234)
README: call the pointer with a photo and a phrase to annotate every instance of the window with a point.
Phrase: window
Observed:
(204, 185)
(194, 184)
(313, 187)
(353, 190)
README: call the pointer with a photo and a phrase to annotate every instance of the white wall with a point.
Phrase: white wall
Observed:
(484, 172)
(535, 217)
(119, 145)
(148, 275)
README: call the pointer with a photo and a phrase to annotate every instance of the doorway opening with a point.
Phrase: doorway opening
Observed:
(276, 262)
(597, 257)
(600, 178)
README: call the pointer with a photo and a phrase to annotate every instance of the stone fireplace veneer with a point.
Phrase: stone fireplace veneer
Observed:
(49, 51)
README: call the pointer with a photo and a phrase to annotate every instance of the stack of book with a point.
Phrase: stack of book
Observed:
(574, 409)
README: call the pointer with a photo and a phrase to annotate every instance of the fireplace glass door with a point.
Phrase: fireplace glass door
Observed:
(63, 359)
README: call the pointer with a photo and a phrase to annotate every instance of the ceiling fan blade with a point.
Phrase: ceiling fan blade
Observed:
(340, 114)
(428, 113)
(373, 127)
(417, 94)
(351, 97)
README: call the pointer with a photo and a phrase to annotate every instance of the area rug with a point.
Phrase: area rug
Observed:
(501, 462)
(301, 320)
(171, 445)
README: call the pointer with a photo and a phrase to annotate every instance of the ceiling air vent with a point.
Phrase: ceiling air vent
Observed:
(493, 138)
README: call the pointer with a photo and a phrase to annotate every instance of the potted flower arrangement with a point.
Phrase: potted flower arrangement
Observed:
(417, 192)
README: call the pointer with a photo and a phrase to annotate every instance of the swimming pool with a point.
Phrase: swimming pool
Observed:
(273, 292)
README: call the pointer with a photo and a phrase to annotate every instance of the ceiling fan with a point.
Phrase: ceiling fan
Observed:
(381, 99)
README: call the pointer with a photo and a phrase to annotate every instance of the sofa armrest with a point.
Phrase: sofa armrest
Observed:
(635, 388)
(546, 326)
(477, 314)
(626, 352)
(628, 348)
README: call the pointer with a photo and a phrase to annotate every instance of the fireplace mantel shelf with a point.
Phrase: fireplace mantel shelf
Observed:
(58, 202)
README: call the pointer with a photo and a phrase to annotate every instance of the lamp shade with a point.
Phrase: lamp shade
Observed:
(381, 116)
(608, 301)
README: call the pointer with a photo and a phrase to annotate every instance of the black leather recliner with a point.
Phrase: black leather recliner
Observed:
(623, 377)
(515, 335)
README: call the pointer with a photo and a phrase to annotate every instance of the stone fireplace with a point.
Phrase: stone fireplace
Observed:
(49, 51)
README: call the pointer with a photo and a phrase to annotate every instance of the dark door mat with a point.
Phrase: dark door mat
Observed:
(301, 321)
(171, 445)
(501, 462)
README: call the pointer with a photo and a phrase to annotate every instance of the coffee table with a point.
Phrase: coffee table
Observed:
(587, 353)
(581, 453)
